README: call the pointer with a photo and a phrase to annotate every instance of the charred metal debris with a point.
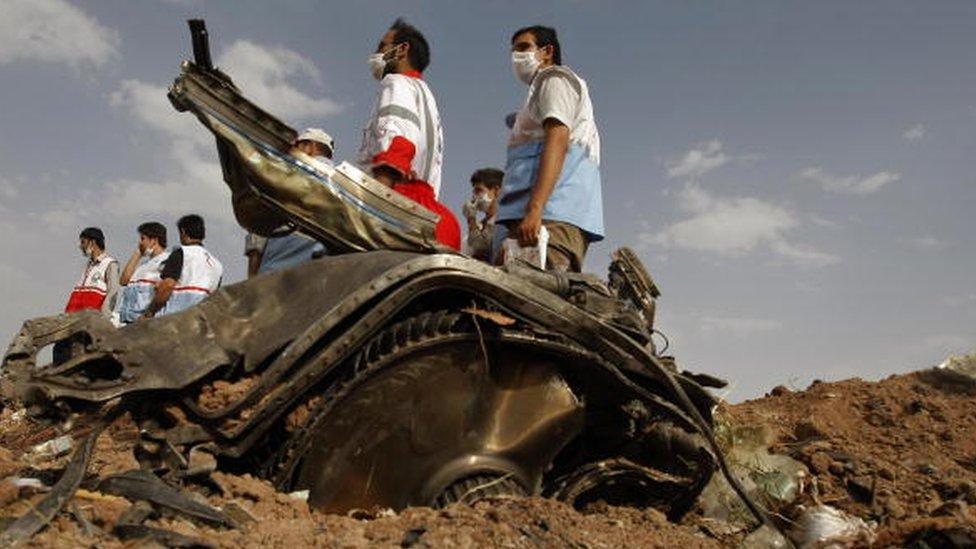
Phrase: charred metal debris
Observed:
(379, 378)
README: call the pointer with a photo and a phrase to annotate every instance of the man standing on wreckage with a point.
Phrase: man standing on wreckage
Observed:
(403, 142)
(552, 174)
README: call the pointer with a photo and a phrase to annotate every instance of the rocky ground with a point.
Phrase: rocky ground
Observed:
(900, 454)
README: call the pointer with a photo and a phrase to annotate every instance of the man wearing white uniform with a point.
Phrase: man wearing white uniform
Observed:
(99, 283)
(142, 272)
(552, 175)
(403, 142)
(189, 274)
(314, 147)
(405, 106)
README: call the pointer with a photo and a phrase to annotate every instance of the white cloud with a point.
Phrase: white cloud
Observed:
(737, 326)
(8, 190)
(148, 104)
(821, 221)
(926, 242)
(53, 31)
(268, 74)
(850, 184)
(700, 160)
(915, 133)
(703, 158)
(735, 227)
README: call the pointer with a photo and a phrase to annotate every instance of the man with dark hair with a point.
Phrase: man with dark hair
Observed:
(189, 274)
(142, 272)
(486, 183)
(403, 143)
(99, 283)
(552, 176)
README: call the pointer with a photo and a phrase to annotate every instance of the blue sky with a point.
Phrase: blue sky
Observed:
(797, 176)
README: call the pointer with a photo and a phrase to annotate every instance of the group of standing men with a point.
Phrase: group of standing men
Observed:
(156, 280)
(551, 179)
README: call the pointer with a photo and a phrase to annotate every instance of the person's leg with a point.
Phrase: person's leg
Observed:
(567, 247)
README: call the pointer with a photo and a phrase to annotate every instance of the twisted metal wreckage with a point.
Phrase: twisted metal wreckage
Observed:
(390, 374)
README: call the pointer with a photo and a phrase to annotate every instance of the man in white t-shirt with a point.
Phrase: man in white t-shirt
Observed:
(190, 273)
(552, 174)
(141, 273)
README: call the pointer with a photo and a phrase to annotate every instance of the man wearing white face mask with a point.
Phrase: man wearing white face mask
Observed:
(486, 183)
(552, 174)
(404, 107)
(403, 143)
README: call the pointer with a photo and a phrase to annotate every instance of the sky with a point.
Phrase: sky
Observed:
(797, 176)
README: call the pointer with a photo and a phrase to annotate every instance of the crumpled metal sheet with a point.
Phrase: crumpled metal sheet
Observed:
(342, 207)
(245, 321)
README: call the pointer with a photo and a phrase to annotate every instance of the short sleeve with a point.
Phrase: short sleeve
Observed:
(173, 266)
(557, 97)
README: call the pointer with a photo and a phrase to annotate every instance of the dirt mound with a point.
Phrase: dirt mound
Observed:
(900, 454)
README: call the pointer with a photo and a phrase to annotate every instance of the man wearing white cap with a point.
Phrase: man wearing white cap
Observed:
(291, 248)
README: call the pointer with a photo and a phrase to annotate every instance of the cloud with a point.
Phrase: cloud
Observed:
(703, 158)
(8, 190)
(850, 184)
(915, 133)
(268, 76)
(927, 242)
(737, 326)
(734, 227)
(147, 103)
(821, 221)
(54, 31)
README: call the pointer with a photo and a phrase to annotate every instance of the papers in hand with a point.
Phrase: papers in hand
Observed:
(533, 255)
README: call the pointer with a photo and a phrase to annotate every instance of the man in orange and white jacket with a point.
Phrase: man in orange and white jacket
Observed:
(99, 283)
(403, 142)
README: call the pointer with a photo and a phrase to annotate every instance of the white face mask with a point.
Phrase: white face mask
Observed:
(482, 202)
(376, 65)
(524, 65)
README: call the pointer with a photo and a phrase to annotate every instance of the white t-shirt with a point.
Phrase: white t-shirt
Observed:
(557, 92)
(405, 107)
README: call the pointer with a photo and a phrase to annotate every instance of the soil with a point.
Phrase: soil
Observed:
(899, 453)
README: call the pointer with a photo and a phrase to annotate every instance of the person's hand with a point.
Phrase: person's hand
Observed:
(527, 231)
(470, 210)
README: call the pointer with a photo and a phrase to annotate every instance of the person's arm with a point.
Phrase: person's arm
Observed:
(112, 288)
(130, 267)
(253, 263)
(550, 166)
(171, 270)
(254, 251)
(164, 289)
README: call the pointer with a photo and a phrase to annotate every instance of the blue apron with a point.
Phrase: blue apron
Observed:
(576, 199)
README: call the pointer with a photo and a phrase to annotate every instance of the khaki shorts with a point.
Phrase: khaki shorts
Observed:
(567, 247)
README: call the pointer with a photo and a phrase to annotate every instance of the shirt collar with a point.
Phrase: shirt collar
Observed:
(413, 74)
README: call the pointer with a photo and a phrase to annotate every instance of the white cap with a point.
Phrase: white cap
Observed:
(318, 135)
